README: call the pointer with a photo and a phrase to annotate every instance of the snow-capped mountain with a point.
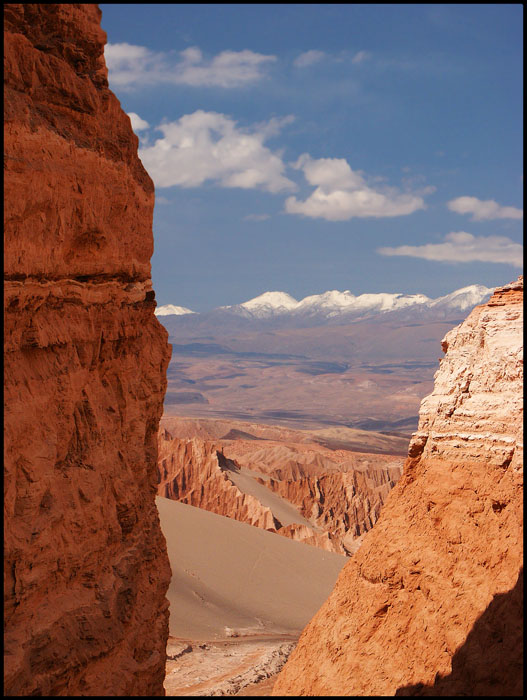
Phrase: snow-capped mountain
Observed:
(171, 310)
(266, 305)
(333, 303)
(340, 307)
(464, 298)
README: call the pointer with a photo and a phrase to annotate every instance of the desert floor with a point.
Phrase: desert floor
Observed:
(239, 598)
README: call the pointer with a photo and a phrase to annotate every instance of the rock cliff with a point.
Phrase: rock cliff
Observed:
(330, 510)
(432, 602)
(197, 473)
(85, 564)
(346, 504)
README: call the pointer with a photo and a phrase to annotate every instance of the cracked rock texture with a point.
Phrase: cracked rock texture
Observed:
(85, 563)
(431, 604)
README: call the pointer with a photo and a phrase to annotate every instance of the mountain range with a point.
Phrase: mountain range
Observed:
(360, 361)
(335, 307)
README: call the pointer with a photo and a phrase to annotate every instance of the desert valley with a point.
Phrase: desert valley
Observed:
(282, 497)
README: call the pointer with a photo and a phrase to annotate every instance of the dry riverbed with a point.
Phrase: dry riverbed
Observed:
(234, 666)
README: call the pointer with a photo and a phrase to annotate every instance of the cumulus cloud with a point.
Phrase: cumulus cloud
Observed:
(482, 210)
(132, 66)
(342, 193)
(461, 246)
(138, 124)
(209, 146)
(308, 58)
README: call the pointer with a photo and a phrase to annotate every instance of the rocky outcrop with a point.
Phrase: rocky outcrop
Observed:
(85, 564)
(431, 604)
(345, 504)
(197, 473)
(329, 511)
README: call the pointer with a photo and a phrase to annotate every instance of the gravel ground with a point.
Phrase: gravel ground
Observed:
(240, 666)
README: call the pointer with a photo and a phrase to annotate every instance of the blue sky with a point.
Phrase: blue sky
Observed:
(304, 148)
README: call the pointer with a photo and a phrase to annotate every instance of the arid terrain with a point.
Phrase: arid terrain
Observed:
(276, 532)
(240, 594)
(324, 488)
(443, 566)
(367, 374)
(239, 598)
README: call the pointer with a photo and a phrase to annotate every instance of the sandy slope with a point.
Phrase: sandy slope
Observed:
(226, 574)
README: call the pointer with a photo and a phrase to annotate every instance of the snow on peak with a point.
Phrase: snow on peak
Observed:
(389, 302)
(328, 300)
(464, 298)
(171, 310)
(270, 303)
(335, 302)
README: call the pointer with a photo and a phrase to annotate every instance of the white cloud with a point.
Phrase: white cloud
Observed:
(308, 58)
(138, 124)
(461, 246)
(360, 56)
(342, 193)
(482, 210)
(209, 146)
(133, 66)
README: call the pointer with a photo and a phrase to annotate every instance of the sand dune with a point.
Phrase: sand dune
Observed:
(229, 578)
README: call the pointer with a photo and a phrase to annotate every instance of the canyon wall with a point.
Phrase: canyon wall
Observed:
(348, 504)
(431, 604)
(327, 510)
(197, 473)
(85, 563)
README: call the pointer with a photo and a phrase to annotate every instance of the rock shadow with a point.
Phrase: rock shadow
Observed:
(490, 662)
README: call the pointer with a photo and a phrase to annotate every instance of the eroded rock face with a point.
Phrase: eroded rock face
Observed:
(330, 511)
(85, 561)
(346, 504)
(197, 473)
(431, 604)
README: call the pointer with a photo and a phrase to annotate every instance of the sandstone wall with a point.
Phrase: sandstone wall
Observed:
(432, 602)
(85, 564)
(346, 503)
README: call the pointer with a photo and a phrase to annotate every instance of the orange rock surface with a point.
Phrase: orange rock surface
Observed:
(346, 503)
(85, 564)
(431, 604)
(197, 473)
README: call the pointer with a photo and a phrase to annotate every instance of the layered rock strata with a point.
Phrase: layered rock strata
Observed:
(85, 564)
(431, 604)
(346, 504)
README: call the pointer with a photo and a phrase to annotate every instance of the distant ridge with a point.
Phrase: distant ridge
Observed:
(171, 310)
(334, 304)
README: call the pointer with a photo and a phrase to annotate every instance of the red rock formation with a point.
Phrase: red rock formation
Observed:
(431, 603)
(332, 510)
(85, 564)
(345, 504)
(196, 472)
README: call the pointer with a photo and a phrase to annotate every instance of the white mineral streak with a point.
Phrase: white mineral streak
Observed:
(477, 404)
